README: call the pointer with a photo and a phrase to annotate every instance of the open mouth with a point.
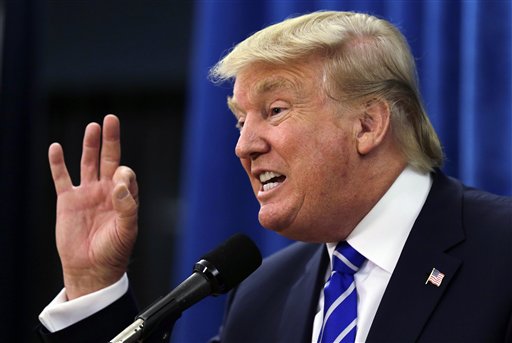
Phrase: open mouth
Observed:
(270, 180)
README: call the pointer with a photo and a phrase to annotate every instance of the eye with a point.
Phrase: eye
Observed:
(276, 110)
(279, 108)
(240, 124)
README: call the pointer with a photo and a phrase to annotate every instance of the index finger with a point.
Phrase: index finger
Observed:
(111, 147)
(60, 175)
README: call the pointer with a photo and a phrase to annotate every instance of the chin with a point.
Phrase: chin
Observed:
(270, 224)
(278, 216)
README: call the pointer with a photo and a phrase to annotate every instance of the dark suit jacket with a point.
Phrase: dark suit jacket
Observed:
(464, 233)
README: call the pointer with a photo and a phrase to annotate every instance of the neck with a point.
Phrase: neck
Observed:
(376, 175)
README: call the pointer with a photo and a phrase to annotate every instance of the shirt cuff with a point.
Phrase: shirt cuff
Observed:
(61, 313)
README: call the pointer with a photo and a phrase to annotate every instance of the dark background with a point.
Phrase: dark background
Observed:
(67, 63)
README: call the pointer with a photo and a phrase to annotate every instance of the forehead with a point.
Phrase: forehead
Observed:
(261, 79)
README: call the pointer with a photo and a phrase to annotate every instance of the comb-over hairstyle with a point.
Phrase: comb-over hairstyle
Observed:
(364, 58)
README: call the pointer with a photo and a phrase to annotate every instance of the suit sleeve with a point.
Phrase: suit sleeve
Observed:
(99, 327)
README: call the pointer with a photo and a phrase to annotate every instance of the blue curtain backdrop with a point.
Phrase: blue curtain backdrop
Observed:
(463, 53)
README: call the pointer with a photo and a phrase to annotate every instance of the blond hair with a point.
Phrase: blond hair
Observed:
(364, 57)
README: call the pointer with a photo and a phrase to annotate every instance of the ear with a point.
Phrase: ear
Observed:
(372, 126)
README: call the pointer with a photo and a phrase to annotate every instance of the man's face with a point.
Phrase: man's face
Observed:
(297, 146)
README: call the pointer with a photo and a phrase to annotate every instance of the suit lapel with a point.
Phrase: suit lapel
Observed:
(300, 308)
(408, 302)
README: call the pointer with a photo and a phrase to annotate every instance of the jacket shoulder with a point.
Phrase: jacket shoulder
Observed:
(488, 212)
(278, 266)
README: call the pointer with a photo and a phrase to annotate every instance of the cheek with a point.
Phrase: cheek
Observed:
(328, 165)
(246, 164)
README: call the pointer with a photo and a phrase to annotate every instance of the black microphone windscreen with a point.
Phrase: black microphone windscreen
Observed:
(235, 259)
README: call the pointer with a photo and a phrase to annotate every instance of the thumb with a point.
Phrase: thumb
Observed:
(124, 205)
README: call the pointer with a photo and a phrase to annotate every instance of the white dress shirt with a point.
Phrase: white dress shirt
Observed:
(61, 313)
(380, 237)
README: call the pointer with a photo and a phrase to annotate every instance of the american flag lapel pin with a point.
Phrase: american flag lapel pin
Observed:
(435, 277)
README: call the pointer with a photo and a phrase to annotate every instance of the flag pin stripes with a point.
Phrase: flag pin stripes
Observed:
(435, 277)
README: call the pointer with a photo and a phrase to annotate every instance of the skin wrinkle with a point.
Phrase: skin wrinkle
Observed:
(269, 86)
(290, 214)
(338, 159)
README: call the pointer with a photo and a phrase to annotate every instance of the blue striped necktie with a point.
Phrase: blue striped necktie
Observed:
(340, 297)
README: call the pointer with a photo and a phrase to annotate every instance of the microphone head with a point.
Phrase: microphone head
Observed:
(235, 259)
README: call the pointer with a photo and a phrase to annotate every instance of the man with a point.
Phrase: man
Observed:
(340, 155)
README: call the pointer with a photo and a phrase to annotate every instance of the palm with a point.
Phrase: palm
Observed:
(85, 220)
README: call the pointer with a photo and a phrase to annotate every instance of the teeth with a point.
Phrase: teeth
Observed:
(270, 185)
(264, 177)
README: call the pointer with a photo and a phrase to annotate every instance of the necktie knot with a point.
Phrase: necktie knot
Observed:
(340, 297)
(346, 259)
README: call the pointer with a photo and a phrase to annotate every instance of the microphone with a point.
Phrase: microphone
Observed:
(216, 273)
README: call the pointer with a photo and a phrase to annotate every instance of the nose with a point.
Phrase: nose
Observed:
(252, 141)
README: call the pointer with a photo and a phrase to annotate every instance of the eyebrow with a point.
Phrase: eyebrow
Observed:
(264, 86)
(272, 84)
(233, 106)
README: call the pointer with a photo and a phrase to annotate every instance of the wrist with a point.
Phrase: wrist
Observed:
(78, 285)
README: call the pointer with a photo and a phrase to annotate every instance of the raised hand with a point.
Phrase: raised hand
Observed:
(96, 223)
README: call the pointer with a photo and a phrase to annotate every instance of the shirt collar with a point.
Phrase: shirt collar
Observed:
(380, 236)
